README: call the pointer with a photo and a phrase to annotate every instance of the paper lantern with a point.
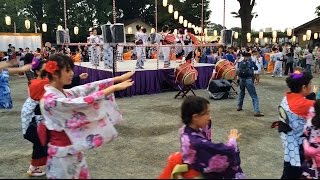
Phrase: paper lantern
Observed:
(76, 30)
(185, 23)
(189, 25)
(8, 20)
(294, 38)
(165, 3)
(315, 35)
(304, 37)
(257, 40)
(129, 30)
(289, 32)
(236, 35)
(181, 19)
(170, 8)
(60, 27)
(44, 27)
(265, 40)
(215, 32)
(248, 35)
(176, 15)
(153, 30)
(274, 40)
(27, 24)
(274, 34)
(308, 33)
(261, 34)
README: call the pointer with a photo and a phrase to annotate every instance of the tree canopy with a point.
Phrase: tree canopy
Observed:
(88, 13)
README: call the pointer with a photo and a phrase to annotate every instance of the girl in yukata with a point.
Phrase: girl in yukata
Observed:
(76, 119)
(294, 110)
(311, 145)
(31, 116)
(95, 43)
(6, 70)
(212, 160)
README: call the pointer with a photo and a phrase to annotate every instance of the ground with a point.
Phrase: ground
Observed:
(150, 133)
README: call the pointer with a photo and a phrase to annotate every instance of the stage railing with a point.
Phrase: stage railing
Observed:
(118, 56)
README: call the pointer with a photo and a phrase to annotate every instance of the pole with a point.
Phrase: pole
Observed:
(14, 27)
(202, 18)
(35, 28)
(156, 13)
(224, 13)
(65, 13)
(114, 11)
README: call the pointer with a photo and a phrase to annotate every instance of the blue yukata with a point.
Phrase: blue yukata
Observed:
(5, 94)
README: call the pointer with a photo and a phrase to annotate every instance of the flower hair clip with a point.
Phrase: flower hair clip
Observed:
(52, 67)
(297, 75)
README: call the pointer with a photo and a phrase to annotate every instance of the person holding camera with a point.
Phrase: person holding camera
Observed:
(246, 77)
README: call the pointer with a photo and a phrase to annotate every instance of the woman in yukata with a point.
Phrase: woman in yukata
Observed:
(294, 111)
(311, 145)
(6, 69)
(76, 119)
(210, 160)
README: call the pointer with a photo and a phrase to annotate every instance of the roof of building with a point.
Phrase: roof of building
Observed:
(316, 20)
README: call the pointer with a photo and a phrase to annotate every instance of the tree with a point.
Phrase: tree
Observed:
(318, 10)
(214, 26)
(246, 15)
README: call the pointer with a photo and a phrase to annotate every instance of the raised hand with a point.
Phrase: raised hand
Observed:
(83, 76)
(234, 134)
(126, 76)
(123, 85)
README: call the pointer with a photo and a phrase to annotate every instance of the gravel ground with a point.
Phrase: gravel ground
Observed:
(150, 133)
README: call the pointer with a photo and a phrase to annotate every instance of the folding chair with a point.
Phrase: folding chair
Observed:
(184, 90)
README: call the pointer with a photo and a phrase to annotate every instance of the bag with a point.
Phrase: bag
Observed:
(139, 42)
(245, 70)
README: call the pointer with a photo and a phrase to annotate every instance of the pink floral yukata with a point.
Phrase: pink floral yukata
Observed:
(213, 160)
(87, 116)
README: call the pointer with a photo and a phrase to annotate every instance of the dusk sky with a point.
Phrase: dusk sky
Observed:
(278, 14)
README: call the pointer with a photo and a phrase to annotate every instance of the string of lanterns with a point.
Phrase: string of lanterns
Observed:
(44, 26)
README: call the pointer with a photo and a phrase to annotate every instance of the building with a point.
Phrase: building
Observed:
(130, 28)
(314, 26)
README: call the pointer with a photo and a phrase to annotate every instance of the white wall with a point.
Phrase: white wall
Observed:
(20, 40)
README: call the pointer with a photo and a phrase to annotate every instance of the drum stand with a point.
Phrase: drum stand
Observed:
(233, 91)
(184, 90)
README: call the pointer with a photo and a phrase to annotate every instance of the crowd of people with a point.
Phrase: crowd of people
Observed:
(63, 118)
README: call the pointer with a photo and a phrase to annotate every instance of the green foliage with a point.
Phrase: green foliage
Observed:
(88, 13)
(318, 11)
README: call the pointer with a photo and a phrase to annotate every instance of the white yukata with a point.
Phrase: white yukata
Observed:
(95, 40)
(139, 50)
(108, 56)
(87, 116)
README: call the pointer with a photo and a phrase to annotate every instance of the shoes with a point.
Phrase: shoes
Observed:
(258, 114)
(239, 109)
(139, 67)
(37, 172)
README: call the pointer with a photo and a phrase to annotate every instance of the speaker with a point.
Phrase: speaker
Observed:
(226, 37)
(113, 33)
(62, 36)
(118, 35)
(106, 33)
(219, 85)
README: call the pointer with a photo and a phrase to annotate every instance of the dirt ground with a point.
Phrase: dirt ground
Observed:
(150, 133)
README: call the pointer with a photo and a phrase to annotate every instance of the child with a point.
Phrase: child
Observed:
(293, 112)
(31, 116)
(77, 119)
(212, 160)
(258, 61)
(311, 144)
(6, 70)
